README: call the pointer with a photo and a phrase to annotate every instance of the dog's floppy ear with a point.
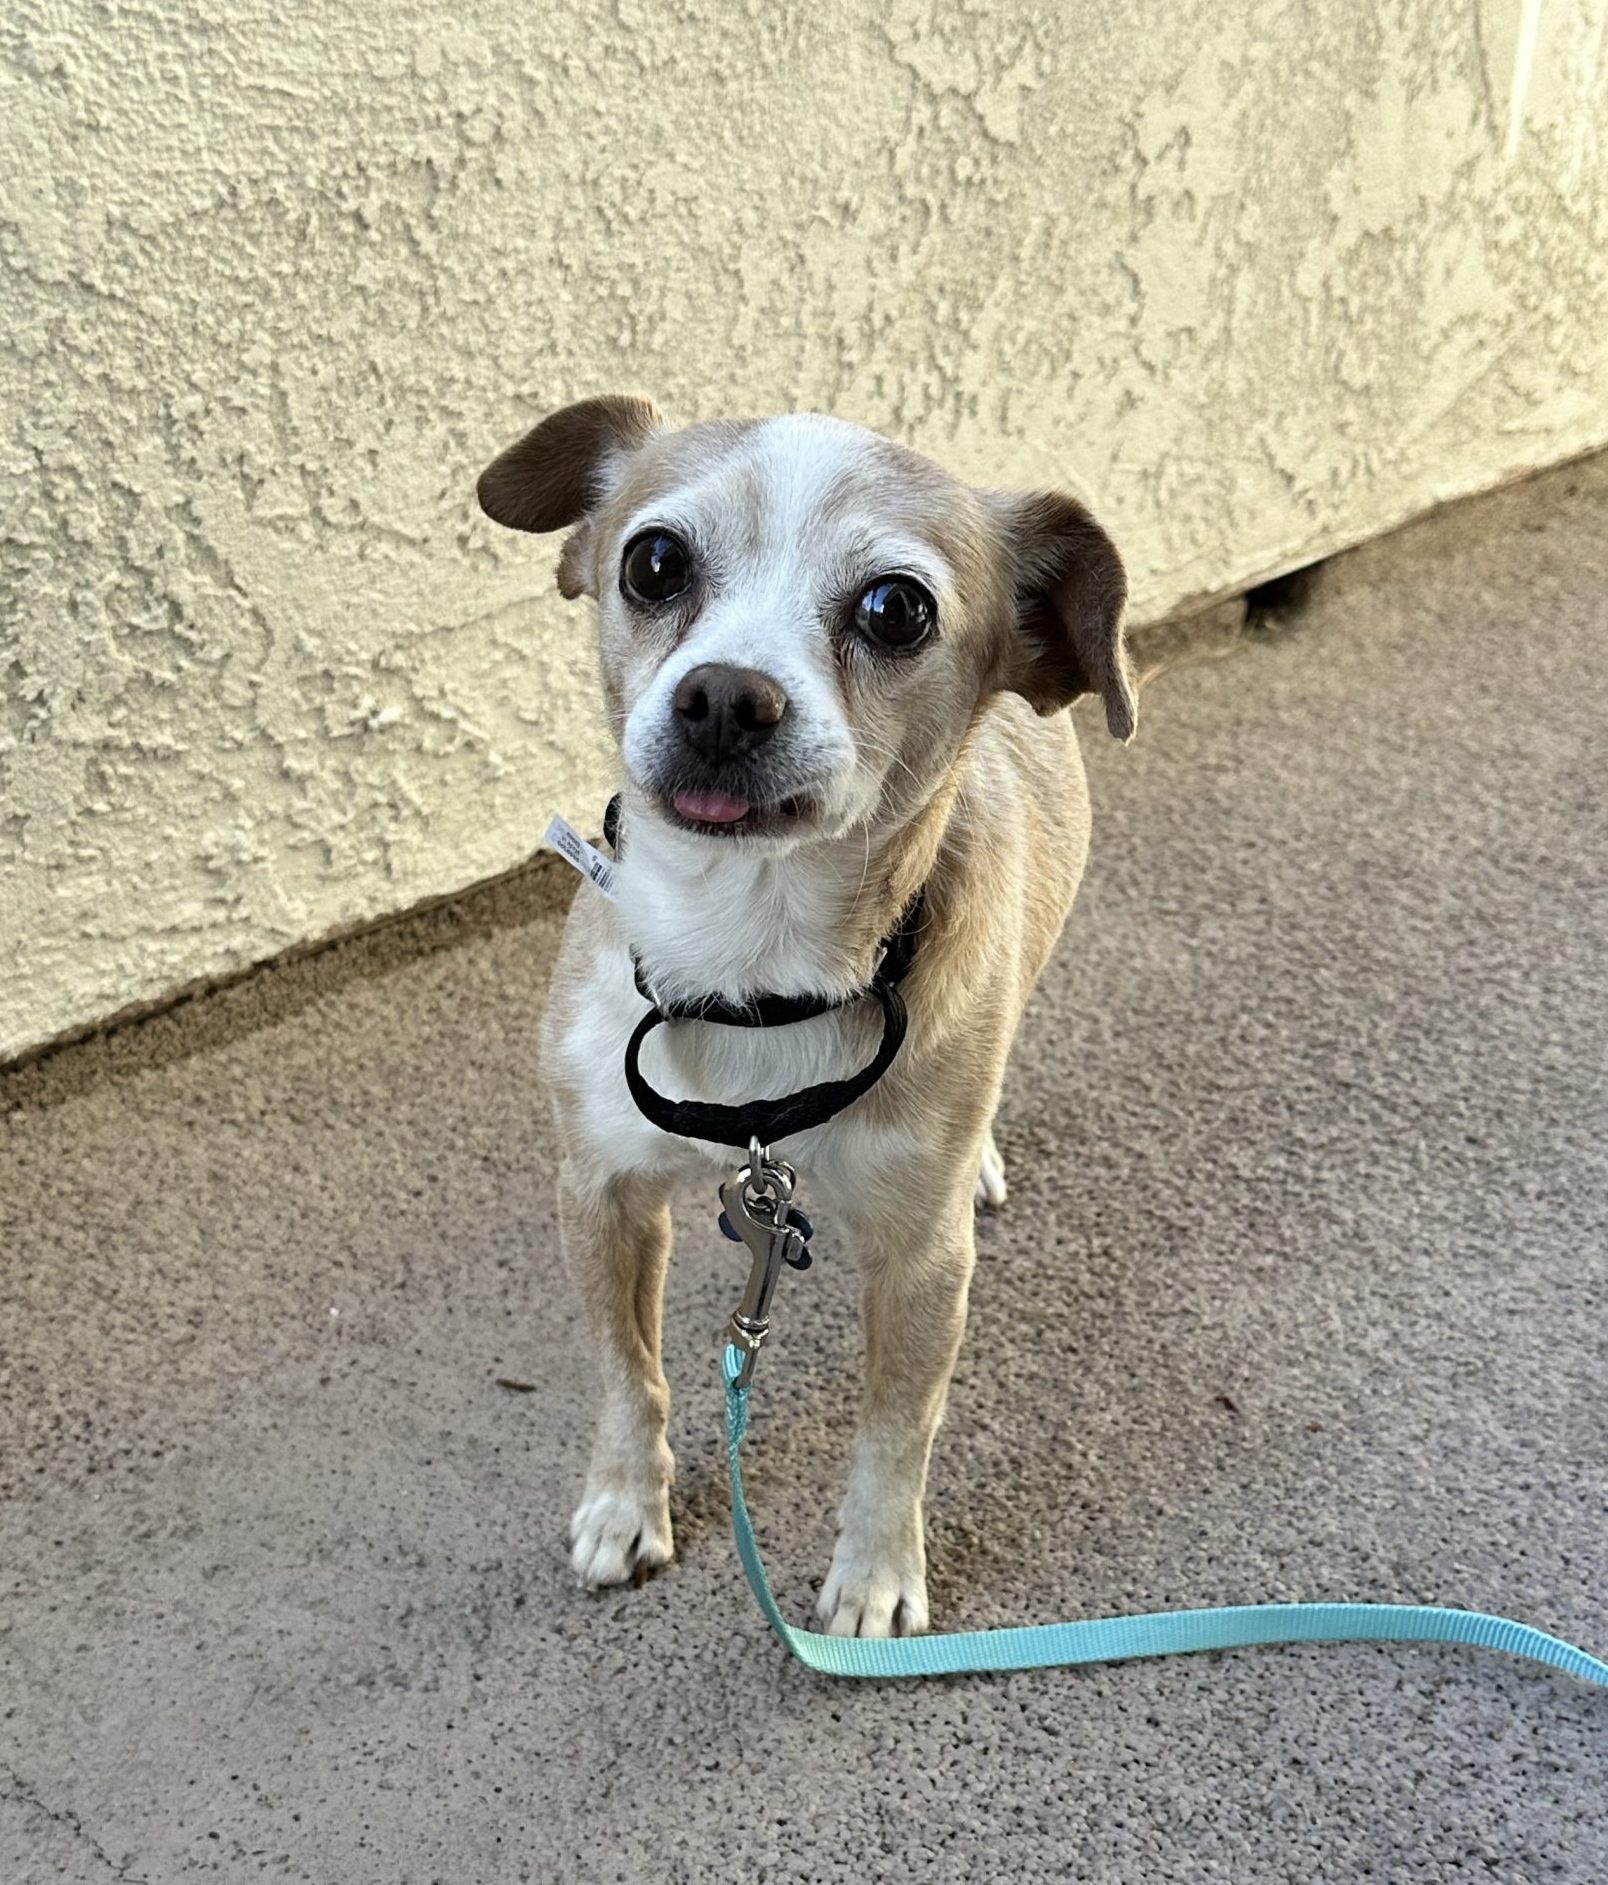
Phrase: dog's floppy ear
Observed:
(1070, 590)
(561, 468)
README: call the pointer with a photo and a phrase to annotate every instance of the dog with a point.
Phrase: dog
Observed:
(836, 676)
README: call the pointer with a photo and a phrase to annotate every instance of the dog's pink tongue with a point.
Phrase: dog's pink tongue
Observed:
(710, 808)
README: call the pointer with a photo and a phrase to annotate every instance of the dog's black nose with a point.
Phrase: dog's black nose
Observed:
(726, 712)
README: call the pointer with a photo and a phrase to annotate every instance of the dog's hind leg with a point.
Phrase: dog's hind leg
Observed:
(617, 1244)
(991, 1192)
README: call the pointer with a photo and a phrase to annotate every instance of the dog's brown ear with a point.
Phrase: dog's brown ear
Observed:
(1070, 591)
(554, 475)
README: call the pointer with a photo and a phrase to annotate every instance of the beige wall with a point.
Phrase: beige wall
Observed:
(1260, 278)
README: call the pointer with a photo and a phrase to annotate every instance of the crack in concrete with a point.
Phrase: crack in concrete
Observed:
(19, 1790)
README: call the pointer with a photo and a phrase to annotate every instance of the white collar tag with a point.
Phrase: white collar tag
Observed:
(586, 858)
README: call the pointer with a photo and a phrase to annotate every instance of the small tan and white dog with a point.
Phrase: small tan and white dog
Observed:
(835, 675)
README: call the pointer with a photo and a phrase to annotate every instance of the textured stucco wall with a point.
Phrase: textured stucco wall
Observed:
(1260, 278)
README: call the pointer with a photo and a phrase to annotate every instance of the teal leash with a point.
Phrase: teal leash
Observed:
(1113, 1639)
(757, 1209)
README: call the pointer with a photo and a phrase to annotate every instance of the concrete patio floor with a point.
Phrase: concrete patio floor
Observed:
(1302, 1292)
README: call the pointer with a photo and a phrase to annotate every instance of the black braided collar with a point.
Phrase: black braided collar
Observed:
(770, 1120)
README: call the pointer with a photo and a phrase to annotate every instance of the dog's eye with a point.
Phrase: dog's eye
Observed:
(656, 567)
(895, 613)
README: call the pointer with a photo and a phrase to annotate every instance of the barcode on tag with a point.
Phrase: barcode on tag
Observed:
(587, 858)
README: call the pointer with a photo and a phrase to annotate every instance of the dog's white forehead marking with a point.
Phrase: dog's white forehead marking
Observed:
(777, 507)
(803, 459)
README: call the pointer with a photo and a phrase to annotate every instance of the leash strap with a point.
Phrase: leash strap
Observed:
(1115, 1639)
(759, 1124)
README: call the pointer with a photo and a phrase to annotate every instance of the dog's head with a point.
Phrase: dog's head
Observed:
(801, 619)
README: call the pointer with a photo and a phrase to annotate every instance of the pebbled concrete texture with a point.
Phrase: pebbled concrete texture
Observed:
(1259, 279)
(1302, 1291)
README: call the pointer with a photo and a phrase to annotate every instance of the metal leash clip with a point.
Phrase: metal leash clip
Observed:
(757, 1209)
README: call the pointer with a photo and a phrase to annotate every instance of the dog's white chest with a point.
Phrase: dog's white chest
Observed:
(697, 1060)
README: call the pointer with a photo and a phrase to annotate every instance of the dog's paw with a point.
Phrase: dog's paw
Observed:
(884, 1595)
(990, 1177)
(620, 1536)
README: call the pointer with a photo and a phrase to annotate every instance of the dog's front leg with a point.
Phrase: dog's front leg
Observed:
(617, 1242)
(916, 1271)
